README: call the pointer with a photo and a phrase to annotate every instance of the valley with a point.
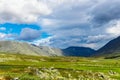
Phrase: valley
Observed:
(24, 67)
(23, 61)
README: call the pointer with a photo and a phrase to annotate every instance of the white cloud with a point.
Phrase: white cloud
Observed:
(91, 45)
(114, 28)
(4, 36)
(2, 28)
(97, 38)
(43, 42)
(22, 11)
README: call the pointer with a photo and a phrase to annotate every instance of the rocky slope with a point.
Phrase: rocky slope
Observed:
(25, 48)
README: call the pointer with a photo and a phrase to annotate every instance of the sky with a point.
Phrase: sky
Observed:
(60, 23)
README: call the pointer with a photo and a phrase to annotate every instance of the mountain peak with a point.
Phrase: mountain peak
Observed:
(112, 47)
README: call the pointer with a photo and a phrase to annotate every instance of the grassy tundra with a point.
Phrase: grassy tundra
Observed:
(23, 67)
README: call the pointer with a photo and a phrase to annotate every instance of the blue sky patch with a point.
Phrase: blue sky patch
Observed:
(16, 28)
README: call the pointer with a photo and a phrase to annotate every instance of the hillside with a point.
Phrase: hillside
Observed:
(78, 51)
(111, 49)
(25, 48)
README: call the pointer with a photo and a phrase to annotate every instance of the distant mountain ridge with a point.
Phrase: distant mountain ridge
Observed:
(31, 49)
(78, 51)
(24, 48)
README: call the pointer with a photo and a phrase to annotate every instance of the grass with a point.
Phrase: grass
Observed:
(27, 67)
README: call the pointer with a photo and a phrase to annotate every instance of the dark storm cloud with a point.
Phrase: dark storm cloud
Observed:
(105, 12)
(28, 34)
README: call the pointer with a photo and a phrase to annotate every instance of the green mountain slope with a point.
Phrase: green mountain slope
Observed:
(78, 51)
(111, 49)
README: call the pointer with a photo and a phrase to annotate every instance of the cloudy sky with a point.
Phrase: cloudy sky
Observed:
(60, 23)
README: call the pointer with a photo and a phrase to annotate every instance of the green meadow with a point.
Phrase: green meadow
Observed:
(24, 67)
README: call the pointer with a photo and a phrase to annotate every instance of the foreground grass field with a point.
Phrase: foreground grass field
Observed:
(23, 67)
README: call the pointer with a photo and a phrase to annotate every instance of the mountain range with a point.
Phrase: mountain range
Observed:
(31, 49)
(28, 49)
(110, 50)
